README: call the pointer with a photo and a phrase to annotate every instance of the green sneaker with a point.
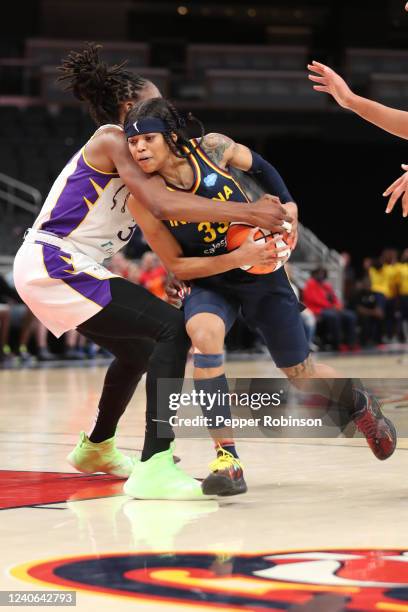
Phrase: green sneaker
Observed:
(90, 457)
(161, 478)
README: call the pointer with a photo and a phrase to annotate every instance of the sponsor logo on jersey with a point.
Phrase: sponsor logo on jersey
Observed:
(210, 179)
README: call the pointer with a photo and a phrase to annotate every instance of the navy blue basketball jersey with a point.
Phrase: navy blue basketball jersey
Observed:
(212, 182)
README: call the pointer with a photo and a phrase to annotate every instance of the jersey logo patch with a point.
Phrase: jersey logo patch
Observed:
(210, 179)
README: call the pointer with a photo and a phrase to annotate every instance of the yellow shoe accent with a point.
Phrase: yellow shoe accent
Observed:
(226, 476)
(224, 461)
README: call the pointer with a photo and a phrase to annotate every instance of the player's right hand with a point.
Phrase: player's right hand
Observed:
(396, 190)
(328, 81)
(253, 253)
(269, 213)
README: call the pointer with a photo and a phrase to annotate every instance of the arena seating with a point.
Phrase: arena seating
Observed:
(201, 58)
(361, 63)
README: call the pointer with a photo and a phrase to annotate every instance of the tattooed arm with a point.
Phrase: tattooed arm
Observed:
(224, 152)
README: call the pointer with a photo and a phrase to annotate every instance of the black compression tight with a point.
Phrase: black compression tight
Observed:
(144, 334)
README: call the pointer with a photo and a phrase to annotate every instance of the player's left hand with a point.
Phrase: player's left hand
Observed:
(176, 290)
(396, 190)
(293, 234)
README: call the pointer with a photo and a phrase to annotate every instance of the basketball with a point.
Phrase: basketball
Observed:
(237, 234)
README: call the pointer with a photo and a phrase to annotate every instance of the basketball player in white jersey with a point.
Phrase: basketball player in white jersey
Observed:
(59, 273)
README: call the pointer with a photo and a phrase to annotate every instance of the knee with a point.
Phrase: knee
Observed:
(207, 341)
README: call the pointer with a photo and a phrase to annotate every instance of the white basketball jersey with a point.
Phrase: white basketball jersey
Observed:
(87, 207)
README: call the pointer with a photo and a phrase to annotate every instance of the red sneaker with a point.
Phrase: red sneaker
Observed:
(379, 431)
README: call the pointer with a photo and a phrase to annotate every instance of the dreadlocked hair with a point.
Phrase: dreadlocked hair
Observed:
(160, 108)
(103, 87)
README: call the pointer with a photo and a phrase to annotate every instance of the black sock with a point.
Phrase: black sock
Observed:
(216, 387)
(229, 446)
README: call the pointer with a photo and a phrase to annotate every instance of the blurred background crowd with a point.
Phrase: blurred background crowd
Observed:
(369, 313)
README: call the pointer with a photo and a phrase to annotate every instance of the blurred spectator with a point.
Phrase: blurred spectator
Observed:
(402, 280)
(308, 318)
(392, 314)
(27, 324)
(153, 275)
(349, 276)
(134, 272)
(339, 323)
(384, 280)
(119, 264)
(74, 346)
(370, 315)
(5, 350)
(30, 326)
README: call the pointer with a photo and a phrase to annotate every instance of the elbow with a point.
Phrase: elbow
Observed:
(161, 206)
(157, 209)
(154, 204)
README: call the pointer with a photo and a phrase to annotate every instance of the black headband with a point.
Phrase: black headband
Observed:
(147, 125)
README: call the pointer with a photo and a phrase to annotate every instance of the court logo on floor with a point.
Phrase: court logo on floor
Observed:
(366, 579)
(360, 579)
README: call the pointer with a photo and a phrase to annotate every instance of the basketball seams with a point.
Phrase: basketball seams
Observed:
(238, 232)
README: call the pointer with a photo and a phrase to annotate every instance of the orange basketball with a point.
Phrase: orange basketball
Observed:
(237, 234)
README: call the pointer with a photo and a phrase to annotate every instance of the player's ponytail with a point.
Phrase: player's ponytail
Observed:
(103, 87)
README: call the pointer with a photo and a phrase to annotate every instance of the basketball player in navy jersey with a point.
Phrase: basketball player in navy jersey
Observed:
(59, 273)
(198, 252)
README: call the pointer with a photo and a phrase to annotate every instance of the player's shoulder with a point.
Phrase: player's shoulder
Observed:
(107, 139)
(109, 132)
(107, 142)
(213, 141)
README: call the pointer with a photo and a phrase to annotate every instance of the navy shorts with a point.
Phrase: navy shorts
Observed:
(268, 304)
(206, 300)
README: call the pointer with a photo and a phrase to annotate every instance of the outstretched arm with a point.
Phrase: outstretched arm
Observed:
(169, 250)
(389, 119)
(164, 204)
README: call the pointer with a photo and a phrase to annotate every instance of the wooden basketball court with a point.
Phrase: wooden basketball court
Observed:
(322, 527)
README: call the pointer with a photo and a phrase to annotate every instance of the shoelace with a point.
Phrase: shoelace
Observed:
(224, 461)
(367, 426)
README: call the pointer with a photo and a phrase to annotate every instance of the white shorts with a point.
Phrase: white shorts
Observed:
(63, 288)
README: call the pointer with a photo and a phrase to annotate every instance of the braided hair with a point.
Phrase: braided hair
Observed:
(103, 87)
(161, 108)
